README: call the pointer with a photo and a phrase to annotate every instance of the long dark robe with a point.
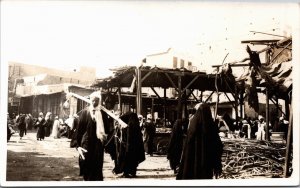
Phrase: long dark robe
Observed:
(39, 125)
(85, 136)
(21, 125)
(48, 127)
(149, 135)
(175, 144)
(129, 146)
(203, 148)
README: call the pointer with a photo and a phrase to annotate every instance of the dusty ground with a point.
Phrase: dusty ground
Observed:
(53, 160)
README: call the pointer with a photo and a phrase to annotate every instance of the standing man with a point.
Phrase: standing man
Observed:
(149, 133)
(89, 140)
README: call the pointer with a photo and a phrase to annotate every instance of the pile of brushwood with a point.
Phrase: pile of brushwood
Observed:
(244, 159)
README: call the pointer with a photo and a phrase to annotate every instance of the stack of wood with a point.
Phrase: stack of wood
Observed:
(252, 158)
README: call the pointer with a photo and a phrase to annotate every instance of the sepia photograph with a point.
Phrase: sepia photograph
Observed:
(149, 93)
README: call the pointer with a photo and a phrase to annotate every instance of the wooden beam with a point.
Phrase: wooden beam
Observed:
(171, 81)
(277, 106)
(233, 104)
(156, 93)
(209, 97)
(191, 83)
(148, 74)
(195, 98)
(260, 41)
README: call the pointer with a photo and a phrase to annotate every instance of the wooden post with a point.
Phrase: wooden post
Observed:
(267, 115)
(138, 91)
(288, 144)
(201, 96)
(179, 110)
(241, 104)
(165, 101)
(236, 106)
(287, 111)
(120, 100)
(152, 109)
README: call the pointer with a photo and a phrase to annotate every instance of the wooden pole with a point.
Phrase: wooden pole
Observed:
(236, 106)
(179, 111)
(287, 111)
(138, 91)
(165, 101)
(267, 115)
(241, 104)
(120, 100)
(288, 146)
(201, 96)
(152, 109)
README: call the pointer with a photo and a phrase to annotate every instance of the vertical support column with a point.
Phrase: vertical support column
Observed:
(236, 105)
(286, 104)
(138, 91)
(241, 103)
(201, 96)
(288, 145)
(179, 110)
(152, 109)
(165, 101)
(120, 100)
(267, 115)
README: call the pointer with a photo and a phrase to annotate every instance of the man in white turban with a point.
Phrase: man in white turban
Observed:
(89, 140)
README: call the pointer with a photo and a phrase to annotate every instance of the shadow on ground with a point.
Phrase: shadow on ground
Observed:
(33, 166)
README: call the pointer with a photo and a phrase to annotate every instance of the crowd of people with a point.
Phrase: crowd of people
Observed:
(44, 126)
(194, 149)
(251, 128)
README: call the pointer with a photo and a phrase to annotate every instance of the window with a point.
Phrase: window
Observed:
(189, 63)
(175, 62)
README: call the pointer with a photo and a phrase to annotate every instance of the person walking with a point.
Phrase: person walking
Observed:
(48, 124)
(39, 125)
(55, 130)
(21, 124)
(175, 145)
(129, 145)
(89, 140)
(149, 134)
(201, 157)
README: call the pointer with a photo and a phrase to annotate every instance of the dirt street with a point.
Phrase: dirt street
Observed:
(53, 160)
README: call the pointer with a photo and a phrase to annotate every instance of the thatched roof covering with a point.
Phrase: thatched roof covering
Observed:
(166, 78)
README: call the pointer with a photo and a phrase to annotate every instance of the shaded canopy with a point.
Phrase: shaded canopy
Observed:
(275, 75)
(167, 78)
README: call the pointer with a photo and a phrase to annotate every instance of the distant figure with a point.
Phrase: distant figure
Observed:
(21, 124)
(29, 122)
(260, 134)
(10, 130)
(175, 145)
(39, 125)
(55, 129)
(201, 157)
(246, 129)
(149, 133)
(48, 124)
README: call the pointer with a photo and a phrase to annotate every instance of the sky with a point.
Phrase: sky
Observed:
(103, 34)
